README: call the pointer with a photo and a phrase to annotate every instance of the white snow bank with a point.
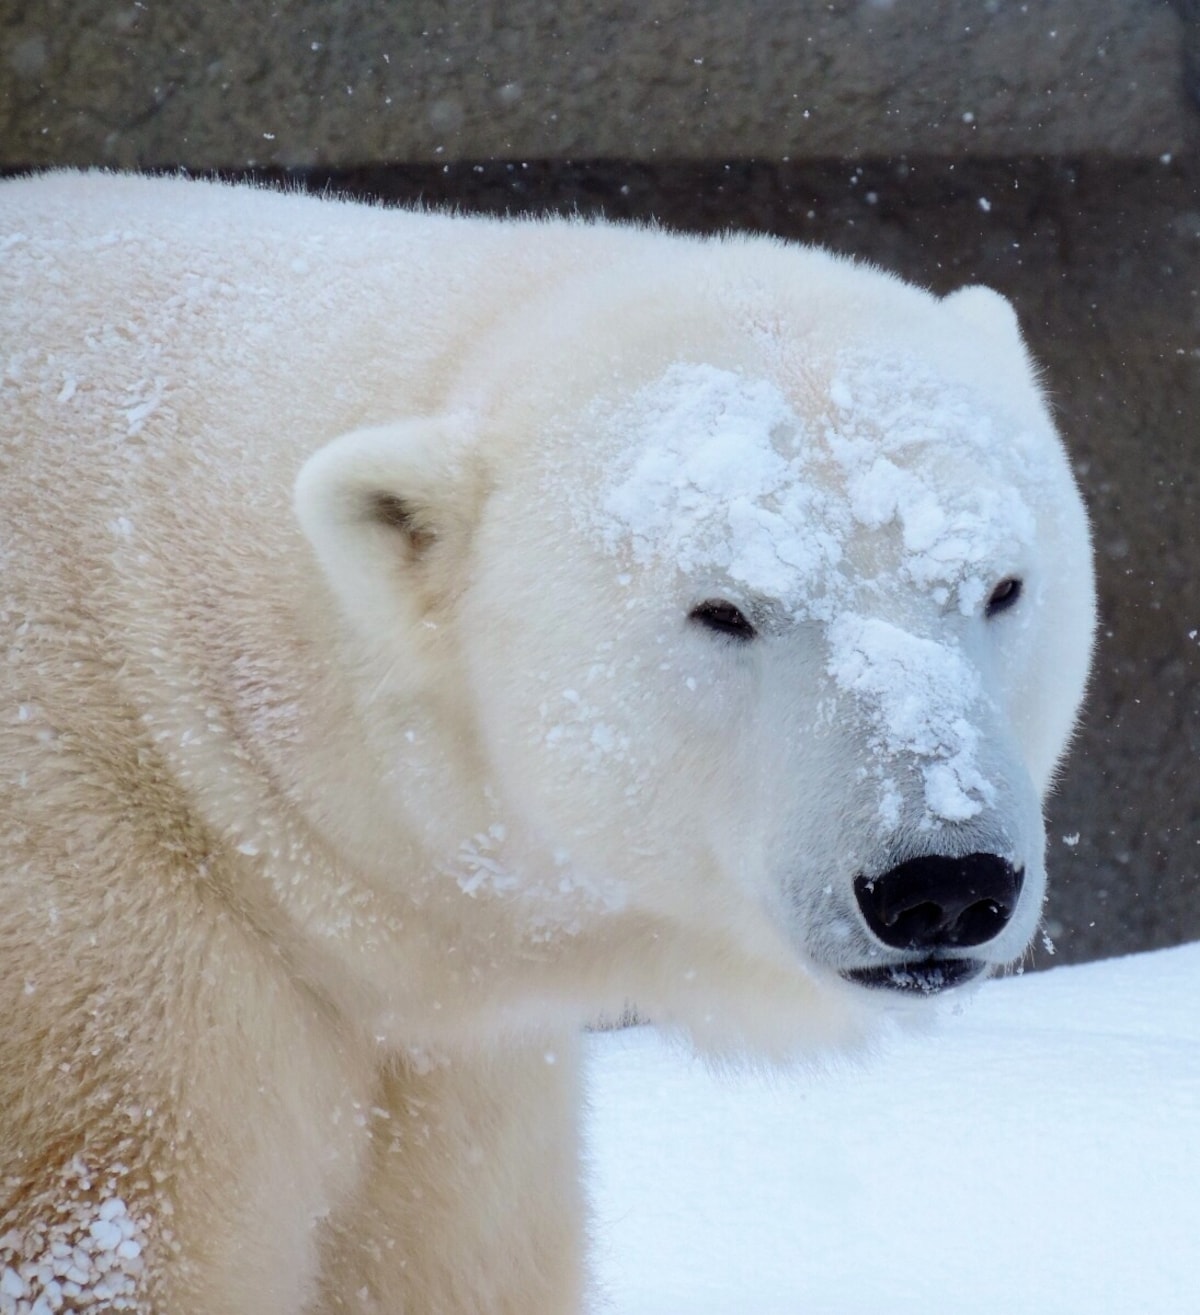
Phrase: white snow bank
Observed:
(1038, 1153)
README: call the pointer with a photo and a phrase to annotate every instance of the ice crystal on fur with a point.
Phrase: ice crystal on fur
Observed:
(85, 1254)
(922, 694)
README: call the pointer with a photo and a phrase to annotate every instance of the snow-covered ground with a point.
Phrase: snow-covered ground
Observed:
(1037, 1154)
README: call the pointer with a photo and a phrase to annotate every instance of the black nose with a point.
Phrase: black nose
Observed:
(935, 902)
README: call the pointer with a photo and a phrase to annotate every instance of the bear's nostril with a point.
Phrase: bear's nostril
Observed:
(981, 921)
(915, 926)
(939, 902)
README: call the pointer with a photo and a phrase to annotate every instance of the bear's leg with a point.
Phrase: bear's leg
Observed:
(176, 1117)
(472, 1204)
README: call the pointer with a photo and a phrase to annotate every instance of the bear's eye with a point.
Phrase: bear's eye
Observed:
(1003, 596)
(716, 614)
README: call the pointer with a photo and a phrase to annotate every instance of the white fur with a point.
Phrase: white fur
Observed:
(328, 826)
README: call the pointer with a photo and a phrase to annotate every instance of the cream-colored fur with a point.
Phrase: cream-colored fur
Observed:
(316, 851)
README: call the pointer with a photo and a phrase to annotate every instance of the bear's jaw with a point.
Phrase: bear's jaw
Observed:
(929, 976)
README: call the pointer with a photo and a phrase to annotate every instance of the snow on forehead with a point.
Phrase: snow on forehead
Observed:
(719, 472)
(714, 481)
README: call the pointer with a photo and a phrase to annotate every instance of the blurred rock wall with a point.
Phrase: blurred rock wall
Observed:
(219, 84)
(1048, 148)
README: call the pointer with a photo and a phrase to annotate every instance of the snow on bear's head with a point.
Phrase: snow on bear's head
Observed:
(765, 618)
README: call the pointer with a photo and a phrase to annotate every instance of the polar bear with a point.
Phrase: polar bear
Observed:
(428, 636)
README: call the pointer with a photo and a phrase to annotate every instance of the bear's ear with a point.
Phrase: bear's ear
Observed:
(988, 313)
(389, 513)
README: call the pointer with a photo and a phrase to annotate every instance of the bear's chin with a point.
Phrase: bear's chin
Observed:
(924, 977)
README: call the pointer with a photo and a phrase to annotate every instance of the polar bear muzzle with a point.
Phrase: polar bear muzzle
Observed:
(931, 907)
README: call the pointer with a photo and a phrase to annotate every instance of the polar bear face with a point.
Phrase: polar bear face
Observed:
(773, 637)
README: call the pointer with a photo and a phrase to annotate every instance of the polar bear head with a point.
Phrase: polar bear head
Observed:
(756, 591)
